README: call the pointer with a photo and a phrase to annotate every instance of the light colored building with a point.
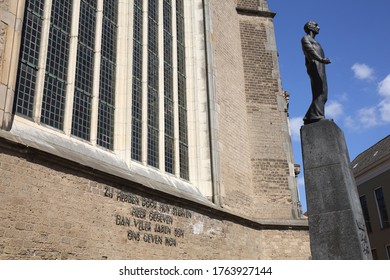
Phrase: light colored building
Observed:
(372, 173)
(153, 129)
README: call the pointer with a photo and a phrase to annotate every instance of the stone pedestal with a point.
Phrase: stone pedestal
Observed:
(336, 224)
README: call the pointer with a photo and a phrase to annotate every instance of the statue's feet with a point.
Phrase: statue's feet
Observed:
(309, 121)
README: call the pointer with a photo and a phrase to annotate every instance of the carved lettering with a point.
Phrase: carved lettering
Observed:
(160, 217)
(179, 233)
(108, 192)
(162, 229)
(164, 208)
(170, 242)
(127, 197)
(149, 203)
(138, 212)
(363, 237)
(154, 220)
(122, 221)
(132, 235)
(142, 225)
(180, 212)
(152, 238)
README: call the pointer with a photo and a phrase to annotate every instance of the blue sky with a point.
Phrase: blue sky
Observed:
(355, 35)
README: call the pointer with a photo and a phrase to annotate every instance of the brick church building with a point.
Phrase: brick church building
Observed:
(154, 129)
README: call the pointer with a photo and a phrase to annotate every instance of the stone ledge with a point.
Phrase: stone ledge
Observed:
(253, 12)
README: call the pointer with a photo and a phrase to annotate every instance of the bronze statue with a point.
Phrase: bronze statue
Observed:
(315, 61)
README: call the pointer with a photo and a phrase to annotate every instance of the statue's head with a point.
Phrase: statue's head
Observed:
(311, 26)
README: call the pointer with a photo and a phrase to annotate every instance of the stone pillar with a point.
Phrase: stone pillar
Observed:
(336, 224)
(11, 14)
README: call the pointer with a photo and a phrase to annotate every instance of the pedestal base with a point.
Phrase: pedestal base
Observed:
(336, 224)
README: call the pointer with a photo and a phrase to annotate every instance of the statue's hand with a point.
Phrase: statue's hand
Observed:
(325, 60)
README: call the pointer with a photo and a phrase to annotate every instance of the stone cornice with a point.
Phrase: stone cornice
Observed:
(253, 12)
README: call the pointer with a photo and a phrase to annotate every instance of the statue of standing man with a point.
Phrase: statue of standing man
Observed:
(315, 61)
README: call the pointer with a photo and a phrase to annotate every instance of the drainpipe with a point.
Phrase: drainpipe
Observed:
(212, 108)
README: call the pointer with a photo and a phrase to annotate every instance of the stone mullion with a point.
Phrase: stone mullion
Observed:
(70, 86)
(161, 87)
(37, 107)
(96, 72)
(145, 85)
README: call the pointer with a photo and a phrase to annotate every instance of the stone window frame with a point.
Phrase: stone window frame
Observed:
(198, 130)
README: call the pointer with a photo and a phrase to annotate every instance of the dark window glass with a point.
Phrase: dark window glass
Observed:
(363, 202)
(153, 84)
(29, 56)
(136, 123)
(380, 199)
(82, 102)
(168, 89)
(182, 89)
(57, 64)
(105, 137)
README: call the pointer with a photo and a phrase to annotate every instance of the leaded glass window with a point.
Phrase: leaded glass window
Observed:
(136, 132)
(81, 123)
(153, 84)
(168, 89)
(182, 89)
(68, 76)
(163, 87)
(43, 97)
(31, 42)
(53, 103)
(108, 75)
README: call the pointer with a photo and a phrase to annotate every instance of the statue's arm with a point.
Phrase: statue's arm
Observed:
(311, 53)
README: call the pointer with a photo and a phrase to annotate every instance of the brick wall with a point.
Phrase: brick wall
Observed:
(50, 211)
(267, 122)
(249, 4)
(255, 156)
(234, 145)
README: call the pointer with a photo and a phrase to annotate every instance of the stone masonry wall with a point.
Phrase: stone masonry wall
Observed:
(10, 32)
(3, 33)
(3, 30)
(253, 142)
(3, 37)
(234, 146)
(50, 211)
(250, 4)
(267, 126)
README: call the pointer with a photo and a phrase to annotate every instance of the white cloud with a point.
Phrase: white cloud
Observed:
(373, 116)
(368, 117)
(350, 123)
(343, 97)
(384, 109)
(363, 71)
(384, 87)
(295, 126)
(363, 119)
(334, 109)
